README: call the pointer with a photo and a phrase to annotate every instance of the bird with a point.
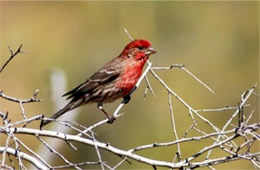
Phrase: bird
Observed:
(113, 81)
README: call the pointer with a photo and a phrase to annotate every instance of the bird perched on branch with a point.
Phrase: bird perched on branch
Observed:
(113, 81)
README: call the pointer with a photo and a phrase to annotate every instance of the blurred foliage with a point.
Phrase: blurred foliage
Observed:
(218, 41)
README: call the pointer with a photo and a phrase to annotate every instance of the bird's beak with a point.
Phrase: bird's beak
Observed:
(150, 50)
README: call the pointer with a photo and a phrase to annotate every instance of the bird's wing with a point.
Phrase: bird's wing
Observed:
(105, 75)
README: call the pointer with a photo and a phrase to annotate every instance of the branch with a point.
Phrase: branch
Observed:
(22, 101)
(165, 144)
(182, 66)
(24, 156)
(129, 153)
(222, 138)
(182, 101)
(13, 54)
(244, 97)
(178, 153)
(100, 145)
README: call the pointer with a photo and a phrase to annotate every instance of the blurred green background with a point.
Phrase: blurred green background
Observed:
(218, 41)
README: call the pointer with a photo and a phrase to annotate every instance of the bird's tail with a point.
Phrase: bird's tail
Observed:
(67, 108)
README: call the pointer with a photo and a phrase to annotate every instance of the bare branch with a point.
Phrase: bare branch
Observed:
(182, 101)
(197, 138)
(244, 98)
(178, 153)
(221, 137)
(97, 150)
(13, 54)
(182, 66)
(22, 101)
(34, 154)
(221, 109)
(56, 152)
(4, 152)
(78, 164)
(76, 138)
(193, 76)
(24, 156)
(129, 36)
(148, 87)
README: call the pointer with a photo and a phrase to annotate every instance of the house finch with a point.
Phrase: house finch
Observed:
(113, 81)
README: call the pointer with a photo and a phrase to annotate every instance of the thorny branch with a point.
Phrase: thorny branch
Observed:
(222, 137)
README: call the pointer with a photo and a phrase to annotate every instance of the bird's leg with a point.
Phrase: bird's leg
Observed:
(110, 118)
(127, 98)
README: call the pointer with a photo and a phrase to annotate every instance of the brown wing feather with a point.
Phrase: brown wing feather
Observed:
(105, 75)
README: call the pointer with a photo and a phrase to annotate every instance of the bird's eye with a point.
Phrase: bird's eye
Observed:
(140, 47)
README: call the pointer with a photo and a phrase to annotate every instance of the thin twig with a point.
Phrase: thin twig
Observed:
(212, 137)
(13, 99)
(17, 150)
(182, 66)
(211, 147)
(57, 153)
(183, 102)
(250, 116)
(97, 150)
(13, 54)
(196, 78)
(24, 156)
(33, 153)
(178, 153)
(22, 109)
(221, 109)
(26, 121)
(196, 138)
(148, 87)
(77, 164)
(67, 124)
(6, 146)
(244, 98)
(120, 163)
(129, 36)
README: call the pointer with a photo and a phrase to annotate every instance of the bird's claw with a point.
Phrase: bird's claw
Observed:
(111, 119)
